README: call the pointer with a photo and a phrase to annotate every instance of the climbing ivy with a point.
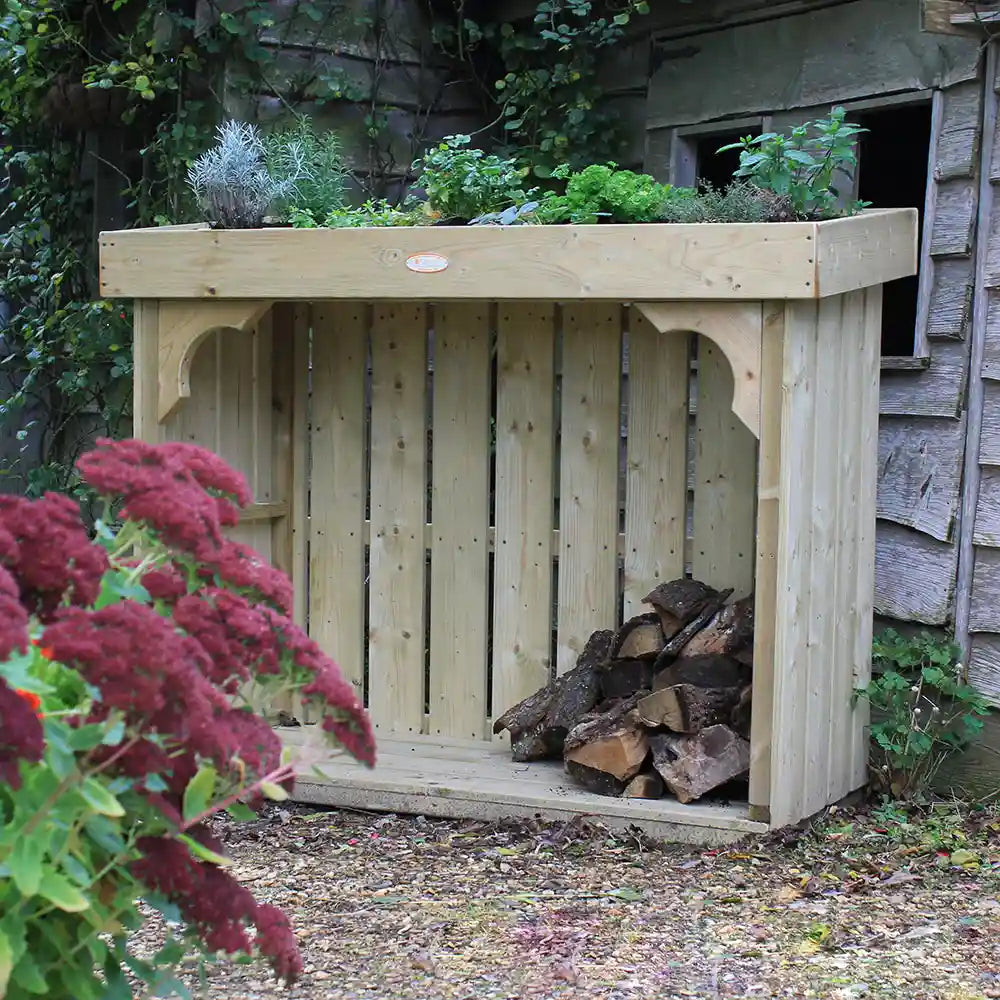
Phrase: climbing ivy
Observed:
(544, 80)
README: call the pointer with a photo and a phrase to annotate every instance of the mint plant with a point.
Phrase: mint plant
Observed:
(802, 166)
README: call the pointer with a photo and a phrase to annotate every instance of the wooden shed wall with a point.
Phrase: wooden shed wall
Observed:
(396, 93)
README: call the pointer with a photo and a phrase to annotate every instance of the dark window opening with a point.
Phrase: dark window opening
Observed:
(715, 168)
(892, 173)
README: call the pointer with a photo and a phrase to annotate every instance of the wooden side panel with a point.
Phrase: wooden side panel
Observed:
(338, 486)
(588, 482)
(656, 460)
(825, 561)
(522, 588)
(725, 480)
(398, 510)
(984, 614)
(766, 559)
(988, 509)
(460, 509)
(984, 672)
(924, 591)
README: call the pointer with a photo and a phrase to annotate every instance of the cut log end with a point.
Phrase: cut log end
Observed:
(691, 766)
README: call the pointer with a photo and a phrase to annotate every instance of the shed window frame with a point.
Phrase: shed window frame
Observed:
(684, 167)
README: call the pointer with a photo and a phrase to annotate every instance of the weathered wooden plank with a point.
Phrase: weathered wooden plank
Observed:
(879, 50)
(588, 479)
(522, 588)
(984, 610)
(991, 341)
(460, 514)
(937, 391)
(656, 477)
(920, 473)
(954, 217)
(950, 307)
(914, 575)
(725, 480)
(398, 507)
(984, 675)
(989, 444)
(987, 529)
(958, 149)
(339, 485)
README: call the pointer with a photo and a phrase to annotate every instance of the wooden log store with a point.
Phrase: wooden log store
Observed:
(473, 447)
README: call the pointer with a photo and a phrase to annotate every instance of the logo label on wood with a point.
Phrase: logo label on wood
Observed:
(426, 263)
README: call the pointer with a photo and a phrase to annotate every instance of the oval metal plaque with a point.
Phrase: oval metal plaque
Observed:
(426, 263)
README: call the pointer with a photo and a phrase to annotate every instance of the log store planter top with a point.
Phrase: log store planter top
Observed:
(554, 494)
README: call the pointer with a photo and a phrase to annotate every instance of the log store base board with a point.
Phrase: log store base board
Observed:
(472, 779)
(463, 484)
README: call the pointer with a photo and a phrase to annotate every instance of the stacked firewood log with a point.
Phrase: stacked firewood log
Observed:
(663, 703)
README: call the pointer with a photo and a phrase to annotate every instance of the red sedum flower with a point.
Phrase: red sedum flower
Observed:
(21, 735)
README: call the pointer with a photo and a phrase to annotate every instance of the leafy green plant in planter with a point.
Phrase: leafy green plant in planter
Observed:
(602, 191)
(922, 710)
(802, 166)
(740, 201)
(378, 213)
(463, 183)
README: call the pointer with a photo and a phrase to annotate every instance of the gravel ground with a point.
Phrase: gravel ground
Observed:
(391, 908)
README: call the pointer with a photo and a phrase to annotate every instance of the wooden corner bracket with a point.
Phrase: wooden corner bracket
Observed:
(736, 328)
(181, 327)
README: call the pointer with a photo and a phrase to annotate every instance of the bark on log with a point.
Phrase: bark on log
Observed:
(639, 638)
(646, 785)
(539, 724)
(679, 602)
(594, 780)
(614, 743)
(702, 671)
(741, 713)
(623, 678)
(674, 645)
(686, 708)
(693, 765)
(730, 631)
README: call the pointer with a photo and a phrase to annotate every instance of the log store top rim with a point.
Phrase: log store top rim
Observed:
(648, 262)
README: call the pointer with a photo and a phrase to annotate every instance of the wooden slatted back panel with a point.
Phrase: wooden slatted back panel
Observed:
(469, 522)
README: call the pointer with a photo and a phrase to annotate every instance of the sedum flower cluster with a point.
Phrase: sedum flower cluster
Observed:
(126, 666)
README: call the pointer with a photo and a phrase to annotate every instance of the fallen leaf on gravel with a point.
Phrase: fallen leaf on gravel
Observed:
(423, 961)
(964, 857)
(900, 877)
(788, 894)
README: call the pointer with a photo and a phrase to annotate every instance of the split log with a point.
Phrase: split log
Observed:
(645, 785)
(614, 744)
(594, 780)
(709, 671)
(623, 678)
(672, 649)
(687, 708)
(679, 602)
(693, 765)
(730, 631)
(640, 638)
(539, 724)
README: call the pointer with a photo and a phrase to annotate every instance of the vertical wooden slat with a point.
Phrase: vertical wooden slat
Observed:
(398, 506)
(146, 370)
(299, 501)
(262, 481)
(524, 457)
(793, 661)
(338, 484)
(849, 439)
(588, 478)
(833, 327)
(460, 508)
(656, 468)
(725, 480)
(766, 563)
(868, 397)
(235, 418)
(282, 406)
(197, 419)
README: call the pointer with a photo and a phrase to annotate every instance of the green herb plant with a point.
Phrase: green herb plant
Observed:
(316, 162)
(463, 183)
(922, 710)
(605, 192)
(803, 165)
